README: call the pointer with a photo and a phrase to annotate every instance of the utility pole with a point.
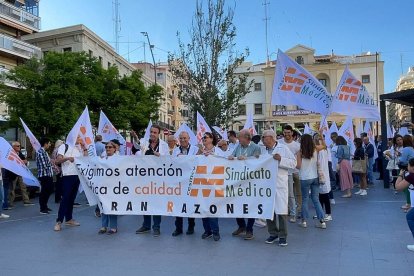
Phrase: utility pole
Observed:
(117, 24)
(376, 86)
(266, 19)
(152, 54)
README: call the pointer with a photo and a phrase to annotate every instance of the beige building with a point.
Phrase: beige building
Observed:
(17, 18)
(398, 113)
(171, 110)
(79, 38)
(327, 69)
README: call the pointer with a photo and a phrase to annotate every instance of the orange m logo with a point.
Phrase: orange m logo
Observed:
(208, 184)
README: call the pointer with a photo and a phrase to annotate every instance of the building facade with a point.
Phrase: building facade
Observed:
(79, 38)
(327, 69)
(398, 113)
(17, 18)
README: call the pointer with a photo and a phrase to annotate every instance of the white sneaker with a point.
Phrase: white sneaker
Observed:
(363, 193)
(260, 223)
(410, 247)
(359, 192)
(4, 216)
(332, 201)
(327, 218)
(303, 224)
(320, 224)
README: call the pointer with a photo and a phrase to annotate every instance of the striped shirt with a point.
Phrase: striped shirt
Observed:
(44, 166)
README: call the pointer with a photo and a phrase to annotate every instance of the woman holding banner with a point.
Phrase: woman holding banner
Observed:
(211, 226)
(109, 222)
(307, 159)
(345, 169)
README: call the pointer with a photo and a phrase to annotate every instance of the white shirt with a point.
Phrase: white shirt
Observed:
(191, 151)
(308, 169)
(69, 168)
(294, 147)
(232, 146)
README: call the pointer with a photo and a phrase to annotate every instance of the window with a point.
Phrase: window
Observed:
(67, 49)
(258, 109)
(109, 64)
(90, 53)
(240, 128)
(258, 86)
(242, 109)
(159, 75)
(100, 60)
(299, 59)
(184, 113)
(323, 81)
(45, 53)
(366, 79)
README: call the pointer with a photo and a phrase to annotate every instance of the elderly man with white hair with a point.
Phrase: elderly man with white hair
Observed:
(287, 161)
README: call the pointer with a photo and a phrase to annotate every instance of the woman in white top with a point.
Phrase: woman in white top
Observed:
(323, 164)
(307, 159)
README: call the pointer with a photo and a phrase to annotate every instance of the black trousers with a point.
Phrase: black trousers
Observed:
(242, 224)
(58, 188)
(46, 184)
(179, 222)
(325, 203)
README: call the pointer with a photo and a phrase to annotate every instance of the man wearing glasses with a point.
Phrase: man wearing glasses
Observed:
(287, 161)
(185, 148)
(246, 148)
(18, 180)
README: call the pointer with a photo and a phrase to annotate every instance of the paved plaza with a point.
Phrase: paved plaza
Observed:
(368, 236)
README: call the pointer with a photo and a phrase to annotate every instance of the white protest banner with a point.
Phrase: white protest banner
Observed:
(147, 131)
(352, 99)
(186, 128)
(307, 129)
(324, 128)
(83, 130)
(294, 85)
(368, 131)
(250, 124)
(186, 186)
(333, 128)
(222, 132)
(347, 131)
(359, 129)
(202, 127)
(109, 132)
(403, 131)
(35, 143)
(11, 161)
(390, 134)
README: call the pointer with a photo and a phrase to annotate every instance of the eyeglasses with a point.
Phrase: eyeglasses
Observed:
(109, 147)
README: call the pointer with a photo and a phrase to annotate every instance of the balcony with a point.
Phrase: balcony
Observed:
(19, 48)
(170, 112)
(19, 16)
(3, 78)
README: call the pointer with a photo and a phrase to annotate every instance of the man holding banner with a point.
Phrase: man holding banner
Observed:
(70, 181)
(245, 149)
(155, 147)
(287, 162)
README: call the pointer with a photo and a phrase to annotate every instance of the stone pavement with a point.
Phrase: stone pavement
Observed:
(368, 236)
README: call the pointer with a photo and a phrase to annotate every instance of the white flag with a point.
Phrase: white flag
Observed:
(250, 124)
(352, 99)
(202, 127)
(294, 85)
(324, 128)
(148, 131)
(390, 135)
(347, 131)
(222, 132)
(333, 128)
(82, 129)
(307, 129)
(186, 128)
(109, 132)
(368, 131)
(359, 129)
(393, 131)
(35, 143)
(11, 161)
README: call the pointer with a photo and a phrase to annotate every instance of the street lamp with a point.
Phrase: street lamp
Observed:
(152, 54)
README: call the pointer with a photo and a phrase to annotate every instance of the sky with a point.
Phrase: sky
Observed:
(346, 27)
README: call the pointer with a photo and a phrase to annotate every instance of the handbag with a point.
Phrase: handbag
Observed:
(359, 166)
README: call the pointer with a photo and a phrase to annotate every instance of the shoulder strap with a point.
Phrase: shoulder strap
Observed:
(66, 148)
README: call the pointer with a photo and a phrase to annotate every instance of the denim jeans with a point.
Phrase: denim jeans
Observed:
(242, 224)
(410, 220)
(370, 167)
(110, 221)
(6, 185)
(313, 185)
(211, 225)
(70, 189)
(1, 193)
(147, 222)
